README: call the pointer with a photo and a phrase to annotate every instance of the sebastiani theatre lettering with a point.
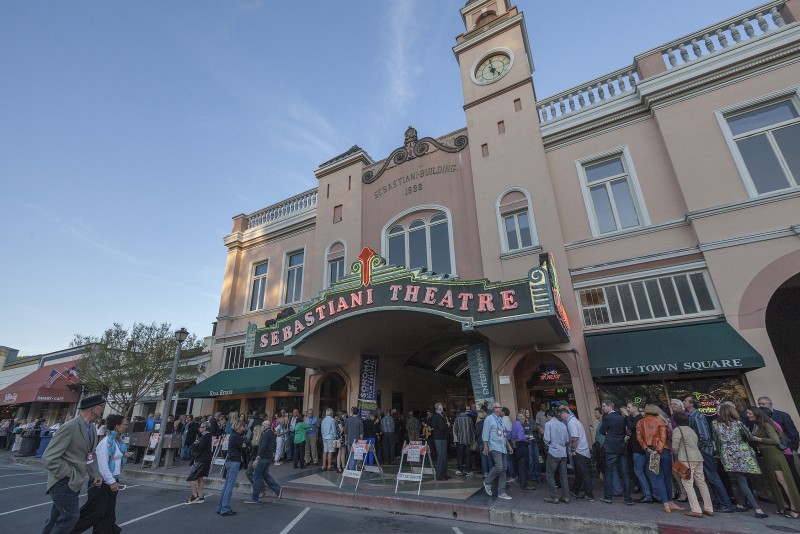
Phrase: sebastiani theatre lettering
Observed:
(373, 286)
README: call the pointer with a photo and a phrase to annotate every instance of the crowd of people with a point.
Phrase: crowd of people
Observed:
(671, 458)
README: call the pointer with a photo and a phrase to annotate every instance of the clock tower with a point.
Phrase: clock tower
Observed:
(505, 143)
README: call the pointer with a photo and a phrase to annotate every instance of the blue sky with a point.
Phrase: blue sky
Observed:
(131, 133)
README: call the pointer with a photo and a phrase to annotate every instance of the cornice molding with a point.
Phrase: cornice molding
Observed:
(743, 204)
(669, 225)
(263, 235)
(499, 92)
(637, 260)
(521, 253)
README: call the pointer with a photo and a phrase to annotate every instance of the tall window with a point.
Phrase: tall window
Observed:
(294, 277)
(335, 263)
(611, 195)
(768, 141)
(422, 243)
(517, 231)
(653, 299)
(259, 289)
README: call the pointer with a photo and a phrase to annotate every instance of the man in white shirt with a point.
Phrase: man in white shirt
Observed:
(579, 448)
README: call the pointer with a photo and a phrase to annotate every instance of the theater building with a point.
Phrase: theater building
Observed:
(636, 237)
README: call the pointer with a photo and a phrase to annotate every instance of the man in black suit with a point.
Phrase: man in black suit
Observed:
(440, 430)
(613, 428)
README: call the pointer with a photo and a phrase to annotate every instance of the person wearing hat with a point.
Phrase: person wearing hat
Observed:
(69, 460)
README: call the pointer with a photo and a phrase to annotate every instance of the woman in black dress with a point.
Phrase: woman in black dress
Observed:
(201, 464)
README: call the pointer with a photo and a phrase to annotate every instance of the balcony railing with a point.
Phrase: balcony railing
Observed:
(588, 94)
(742, 27)
(290, 206)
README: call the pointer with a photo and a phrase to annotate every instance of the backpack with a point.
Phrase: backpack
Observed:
(257, 432)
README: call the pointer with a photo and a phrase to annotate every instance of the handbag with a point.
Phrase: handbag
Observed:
(655, 463)
(337, 443)
(679, 468)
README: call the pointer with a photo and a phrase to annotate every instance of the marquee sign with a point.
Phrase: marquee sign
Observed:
(374, 286)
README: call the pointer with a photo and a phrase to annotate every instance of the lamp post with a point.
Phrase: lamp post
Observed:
(180, 337)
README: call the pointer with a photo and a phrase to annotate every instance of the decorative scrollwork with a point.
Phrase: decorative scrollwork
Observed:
(376, 261)
(414, 148)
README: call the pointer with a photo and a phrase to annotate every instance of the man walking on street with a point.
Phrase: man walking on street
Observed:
(579, 448)
(69, 460)
(496, 444)
(440, 429)
(266, 453)
(698, 423)
(556, 438)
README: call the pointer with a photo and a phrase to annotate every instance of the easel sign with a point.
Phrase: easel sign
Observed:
(219, 445)
(413, 452)
(358, 453)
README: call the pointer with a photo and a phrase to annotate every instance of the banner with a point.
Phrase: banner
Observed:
(480, 370)
(368, 388)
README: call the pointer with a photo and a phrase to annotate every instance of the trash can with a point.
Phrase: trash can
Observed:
(30, 442)
(44, 441)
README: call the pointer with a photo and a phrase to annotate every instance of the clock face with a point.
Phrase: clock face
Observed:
(492, 68)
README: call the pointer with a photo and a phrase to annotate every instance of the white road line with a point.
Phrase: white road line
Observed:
(457, 530)
(296, 520)
(23, 486)
(18, 475)
(157, 512)
(32, 506)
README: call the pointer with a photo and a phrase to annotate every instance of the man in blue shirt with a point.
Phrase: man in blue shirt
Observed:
(496, 444)
(556, 438)
(698, 423)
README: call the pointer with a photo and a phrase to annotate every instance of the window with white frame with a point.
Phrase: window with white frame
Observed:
(234, 359)
(335, 266)
(258, 292)
(422, 242)
(294, 277)
(767, 139)
(612, 194)
(667, 297)
(517, 228)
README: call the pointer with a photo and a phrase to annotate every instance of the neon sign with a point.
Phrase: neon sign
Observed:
(708, 403)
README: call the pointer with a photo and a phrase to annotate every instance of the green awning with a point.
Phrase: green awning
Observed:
(706, 346)
(278, 377)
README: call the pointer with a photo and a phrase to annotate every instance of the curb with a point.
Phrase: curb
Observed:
(411, 505)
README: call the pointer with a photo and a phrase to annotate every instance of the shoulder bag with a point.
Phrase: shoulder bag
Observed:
(679, 468)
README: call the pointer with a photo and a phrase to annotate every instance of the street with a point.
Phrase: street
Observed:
(150, 507)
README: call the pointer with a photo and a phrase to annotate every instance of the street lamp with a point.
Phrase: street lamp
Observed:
(180, 337)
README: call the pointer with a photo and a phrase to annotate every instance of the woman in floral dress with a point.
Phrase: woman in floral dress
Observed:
(733, 442)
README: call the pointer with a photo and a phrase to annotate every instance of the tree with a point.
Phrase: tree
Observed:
(128, 365)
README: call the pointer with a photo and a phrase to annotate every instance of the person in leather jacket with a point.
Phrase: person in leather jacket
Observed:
(651, 433)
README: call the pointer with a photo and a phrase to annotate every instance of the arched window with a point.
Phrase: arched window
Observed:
(421, 240)
(334, 265)
(515, 218)
(485, 18)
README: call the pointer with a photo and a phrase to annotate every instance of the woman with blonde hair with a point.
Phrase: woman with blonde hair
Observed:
(651, 432)
(732, 440)
(684, 443)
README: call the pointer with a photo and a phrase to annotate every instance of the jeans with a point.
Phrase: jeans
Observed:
(463, 460)
(713, 480)
(551, 464)
(511, 469)
(583, 475)
(262, 474)
(65, 512)
(299, 454)
(618, 463)
(389, 442)
(744, 489)
(441, 458)
(290, 447)
(640, 462)
(661, 483)
(498, 473)
(534, 469)
(231, 473)
(522, 462)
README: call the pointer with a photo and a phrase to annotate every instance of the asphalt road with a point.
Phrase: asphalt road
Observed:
(149, 508)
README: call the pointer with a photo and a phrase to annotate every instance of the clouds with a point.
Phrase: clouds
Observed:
(399, 54)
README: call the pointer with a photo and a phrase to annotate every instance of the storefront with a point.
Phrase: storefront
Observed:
(43, 394)
(242, 391)
(706, 359)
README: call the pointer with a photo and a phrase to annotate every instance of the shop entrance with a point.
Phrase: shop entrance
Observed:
(550, 383)
(783, 327)
(332, 394)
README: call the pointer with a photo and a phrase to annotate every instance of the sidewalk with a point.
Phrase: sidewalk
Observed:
(463, 498)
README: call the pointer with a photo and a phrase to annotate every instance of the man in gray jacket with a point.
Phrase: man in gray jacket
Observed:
(69, 460)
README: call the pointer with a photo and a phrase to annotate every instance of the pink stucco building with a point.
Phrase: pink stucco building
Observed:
(665, 196)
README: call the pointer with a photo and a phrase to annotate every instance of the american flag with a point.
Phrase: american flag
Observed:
(52, 378)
